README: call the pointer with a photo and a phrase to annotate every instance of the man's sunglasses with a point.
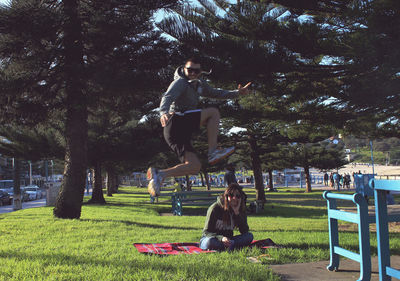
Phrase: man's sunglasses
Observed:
(193, 70)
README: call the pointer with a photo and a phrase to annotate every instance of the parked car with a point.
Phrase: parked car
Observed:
(6, 184)
(24, 195)
(33, 191)
(5, 198)
(10, 191)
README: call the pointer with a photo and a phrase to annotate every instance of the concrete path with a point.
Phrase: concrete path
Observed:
(25, 205)
(33, 204)
(316, 271)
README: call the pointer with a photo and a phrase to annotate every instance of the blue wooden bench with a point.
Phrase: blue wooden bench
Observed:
(360, 216)
(193, 198)
(197, 198)
(381, 187)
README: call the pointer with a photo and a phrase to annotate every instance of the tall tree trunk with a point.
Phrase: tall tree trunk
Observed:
(270, 181)
(207, 181)
(109, 183)
(256, 165)
(69, 200)
(112, 181)
(116, 183)
(202, 179)
(92, 178)
(97, 193)
(307, 175)
(188, 184)
(17, 204)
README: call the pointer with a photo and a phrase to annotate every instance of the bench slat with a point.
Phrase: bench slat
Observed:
(198, 199)
(198, 203)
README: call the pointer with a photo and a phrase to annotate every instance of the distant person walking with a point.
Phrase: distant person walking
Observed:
(229, 176)
(336, 179)
(180, 118)
(326, 179)
(346, 181)
(332, 180)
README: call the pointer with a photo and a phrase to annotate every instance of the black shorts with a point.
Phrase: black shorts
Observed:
(179, 129)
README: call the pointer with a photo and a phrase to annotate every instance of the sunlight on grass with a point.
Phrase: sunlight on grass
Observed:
(37, 246)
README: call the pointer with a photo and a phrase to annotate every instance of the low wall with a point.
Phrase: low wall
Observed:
(52, 193)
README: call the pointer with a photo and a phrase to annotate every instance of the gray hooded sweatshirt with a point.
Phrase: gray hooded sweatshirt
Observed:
(183, 94)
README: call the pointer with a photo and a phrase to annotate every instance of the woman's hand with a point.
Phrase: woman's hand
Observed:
(236, 208)
(227, 242)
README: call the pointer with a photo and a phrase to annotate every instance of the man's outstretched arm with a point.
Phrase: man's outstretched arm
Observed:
(211, 92)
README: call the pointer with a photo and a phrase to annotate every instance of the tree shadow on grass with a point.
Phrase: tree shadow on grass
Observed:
(305, 246)
(288, 196)
(291, 212)
(149, 264)
(139, 224)
(297, 230)
(126, 202)
(111, 204)
(198, 211)
(124, 191)
(352, 248)
(270, 210)
(130, 195)
(308, 202)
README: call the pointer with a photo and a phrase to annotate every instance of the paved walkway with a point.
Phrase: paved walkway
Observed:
(32, 204)
(25, 205)
(316, 271)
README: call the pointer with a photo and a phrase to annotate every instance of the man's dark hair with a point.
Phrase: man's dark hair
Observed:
(195, 60)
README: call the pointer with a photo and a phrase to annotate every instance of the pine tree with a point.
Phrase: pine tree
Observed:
(271, 46)
(69, 200)
(312, 148)
(54, 60)
(368, 58)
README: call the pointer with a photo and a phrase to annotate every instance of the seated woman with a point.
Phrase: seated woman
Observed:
(222, 217)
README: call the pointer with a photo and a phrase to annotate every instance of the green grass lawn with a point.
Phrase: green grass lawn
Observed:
(36, 246)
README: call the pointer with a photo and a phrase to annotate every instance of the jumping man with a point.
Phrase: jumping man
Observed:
(180, 118)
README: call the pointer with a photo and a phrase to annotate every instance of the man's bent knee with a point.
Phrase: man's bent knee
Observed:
(192, 162)
(196, 168)
(212, 112)
(206, 114)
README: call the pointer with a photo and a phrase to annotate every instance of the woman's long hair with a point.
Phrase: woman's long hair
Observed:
(230, 190)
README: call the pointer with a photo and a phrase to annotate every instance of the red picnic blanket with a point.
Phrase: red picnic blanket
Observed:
(190, 248)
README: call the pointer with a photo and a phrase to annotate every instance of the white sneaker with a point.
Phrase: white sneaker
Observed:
(220, 154)
(150, 189)
(154, 187)
(151, 173)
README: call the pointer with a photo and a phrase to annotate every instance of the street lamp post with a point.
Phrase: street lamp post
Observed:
(372, 158)
(46, 170)
(30, 173)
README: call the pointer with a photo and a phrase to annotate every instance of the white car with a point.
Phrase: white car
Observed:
(33, 191)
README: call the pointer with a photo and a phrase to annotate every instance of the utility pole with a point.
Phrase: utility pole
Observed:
(372, 158)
